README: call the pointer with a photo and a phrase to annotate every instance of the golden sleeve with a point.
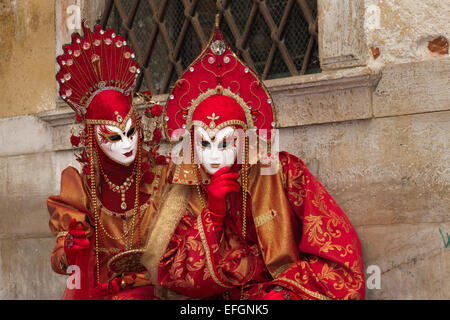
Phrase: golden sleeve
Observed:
(71, 203)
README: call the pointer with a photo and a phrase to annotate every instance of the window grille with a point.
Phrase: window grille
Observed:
(277, 38)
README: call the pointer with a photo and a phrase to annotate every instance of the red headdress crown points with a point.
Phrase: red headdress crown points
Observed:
(218, 90)
(97, 75)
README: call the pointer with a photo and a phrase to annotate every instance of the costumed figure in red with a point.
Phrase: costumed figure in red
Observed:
(244, 221)
(98, 217)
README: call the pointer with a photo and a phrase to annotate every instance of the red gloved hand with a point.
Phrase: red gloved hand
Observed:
(101, 290)
(75, 242)
(222, 183)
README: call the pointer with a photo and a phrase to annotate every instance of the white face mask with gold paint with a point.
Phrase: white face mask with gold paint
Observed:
(120, 146)
(217, 150)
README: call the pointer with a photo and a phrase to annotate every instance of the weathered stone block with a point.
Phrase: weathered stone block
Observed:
(331, 96)
(27, 49)
(413, 258)
(341, 34)
(402, 29)
(25, 271)
(389, 170)
(413, 88)
(24, 135)
(28, 181)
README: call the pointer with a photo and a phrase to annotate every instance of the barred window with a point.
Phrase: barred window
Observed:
(277, 38)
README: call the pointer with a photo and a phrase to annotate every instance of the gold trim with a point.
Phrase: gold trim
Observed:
(188, 171)
(280, 170)
(281, 269)
(127, 214)
(171, 209)
(61, 234)
(211, 92)
(302, 288)
(128, 253)
(208, 256)
(121, 125)
(220, 126)
(264, 218)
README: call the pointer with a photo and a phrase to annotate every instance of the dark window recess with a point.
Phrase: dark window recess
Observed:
(277, 38)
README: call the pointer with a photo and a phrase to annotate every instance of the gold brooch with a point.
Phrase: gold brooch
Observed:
(118, 117)
(213, 117)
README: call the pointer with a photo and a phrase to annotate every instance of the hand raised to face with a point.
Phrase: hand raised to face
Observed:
(223, 182)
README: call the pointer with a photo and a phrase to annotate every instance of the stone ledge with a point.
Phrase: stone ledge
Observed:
(325, 81)
(64, 115)
(327, 97)
(316, 94)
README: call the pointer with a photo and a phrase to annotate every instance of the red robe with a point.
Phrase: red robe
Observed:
(299, 244)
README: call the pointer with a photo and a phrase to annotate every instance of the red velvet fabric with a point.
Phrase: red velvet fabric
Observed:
(209, 71)
(225, 109)
(105, 105)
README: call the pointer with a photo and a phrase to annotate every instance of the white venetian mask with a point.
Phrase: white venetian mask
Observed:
(215, 152)
(118, 145)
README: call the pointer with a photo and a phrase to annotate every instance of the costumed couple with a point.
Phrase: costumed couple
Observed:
(139, 225)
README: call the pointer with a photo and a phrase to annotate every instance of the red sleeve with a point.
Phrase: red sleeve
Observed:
(331, 265)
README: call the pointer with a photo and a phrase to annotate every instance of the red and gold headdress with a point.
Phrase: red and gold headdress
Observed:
(97, 76)
(218, 90)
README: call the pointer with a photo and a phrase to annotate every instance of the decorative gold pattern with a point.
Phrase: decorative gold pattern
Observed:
(172, 208)
(220, 126)
(226, 92)
(281, 269)
(121, 125)
(302, 288)
(61, 234)
(264, 218)
(213, 117)
(188, 176)
(315, 228)
(207, 252)
(128, 214)
(125, 262)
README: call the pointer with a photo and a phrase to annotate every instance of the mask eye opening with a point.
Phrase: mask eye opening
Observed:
(223, 145)
(131, 131)
(114, 138)
(205, 144)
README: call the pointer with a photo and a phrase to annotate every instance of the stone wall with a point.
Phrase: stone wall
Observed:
(373, 127)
